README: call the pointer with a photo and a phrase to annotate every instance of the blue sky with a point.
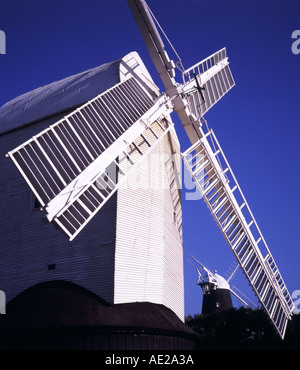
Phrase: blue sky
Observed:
(256, 123)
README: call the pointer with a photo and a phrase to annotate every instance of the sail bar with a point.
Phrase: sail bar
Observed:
(227, 204)
(164, 66)
(244, 299)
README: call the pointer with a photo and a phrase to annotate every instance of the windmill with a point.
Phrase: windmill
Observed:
(67, 164)
(216, 289)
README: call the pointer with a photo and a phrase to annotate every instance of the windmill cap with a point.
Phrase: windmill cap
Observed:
(221, 282)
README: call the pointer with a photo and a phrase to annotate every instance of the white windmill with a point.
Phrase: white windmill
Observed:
(217, 290)
(72, 197)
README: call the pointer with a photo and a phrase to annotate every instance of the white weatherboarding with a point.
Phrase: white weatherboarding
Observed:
(65, 163)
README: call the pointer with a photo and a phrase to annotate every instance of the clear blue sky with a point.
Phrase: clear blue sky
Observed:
(257, 122)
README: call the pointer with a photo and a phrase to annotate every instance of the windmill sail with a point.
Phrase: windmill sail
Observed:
(242, 297)
(203, 85)
(66, 164)
(207, 82)
(214, 178)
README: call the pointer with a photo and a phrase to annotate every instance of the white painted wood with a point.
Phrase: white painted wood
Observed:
(28, 245)
(130, 251)
(148, 261)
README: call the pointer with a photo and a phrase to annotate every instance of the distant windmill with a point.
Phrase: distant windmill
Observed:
(73, 158)
(216, 289)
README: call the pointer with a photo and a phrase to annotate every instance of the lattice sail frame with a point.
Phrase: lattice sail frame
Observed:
(222, 194)
(214, 78)
(66, 165)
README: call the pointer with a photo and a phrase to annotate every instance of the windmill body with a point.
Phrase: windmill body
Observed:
(132, 250)
(216, 293)
(216, 290)
(216, 301)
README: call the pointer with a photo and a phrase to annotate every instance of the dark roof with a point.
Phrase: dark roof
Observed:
(63, 304)
(71, 92)
(58, 96)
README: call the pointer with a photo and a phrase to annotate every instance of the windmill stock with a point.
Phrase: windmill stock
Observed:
(71, 198)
